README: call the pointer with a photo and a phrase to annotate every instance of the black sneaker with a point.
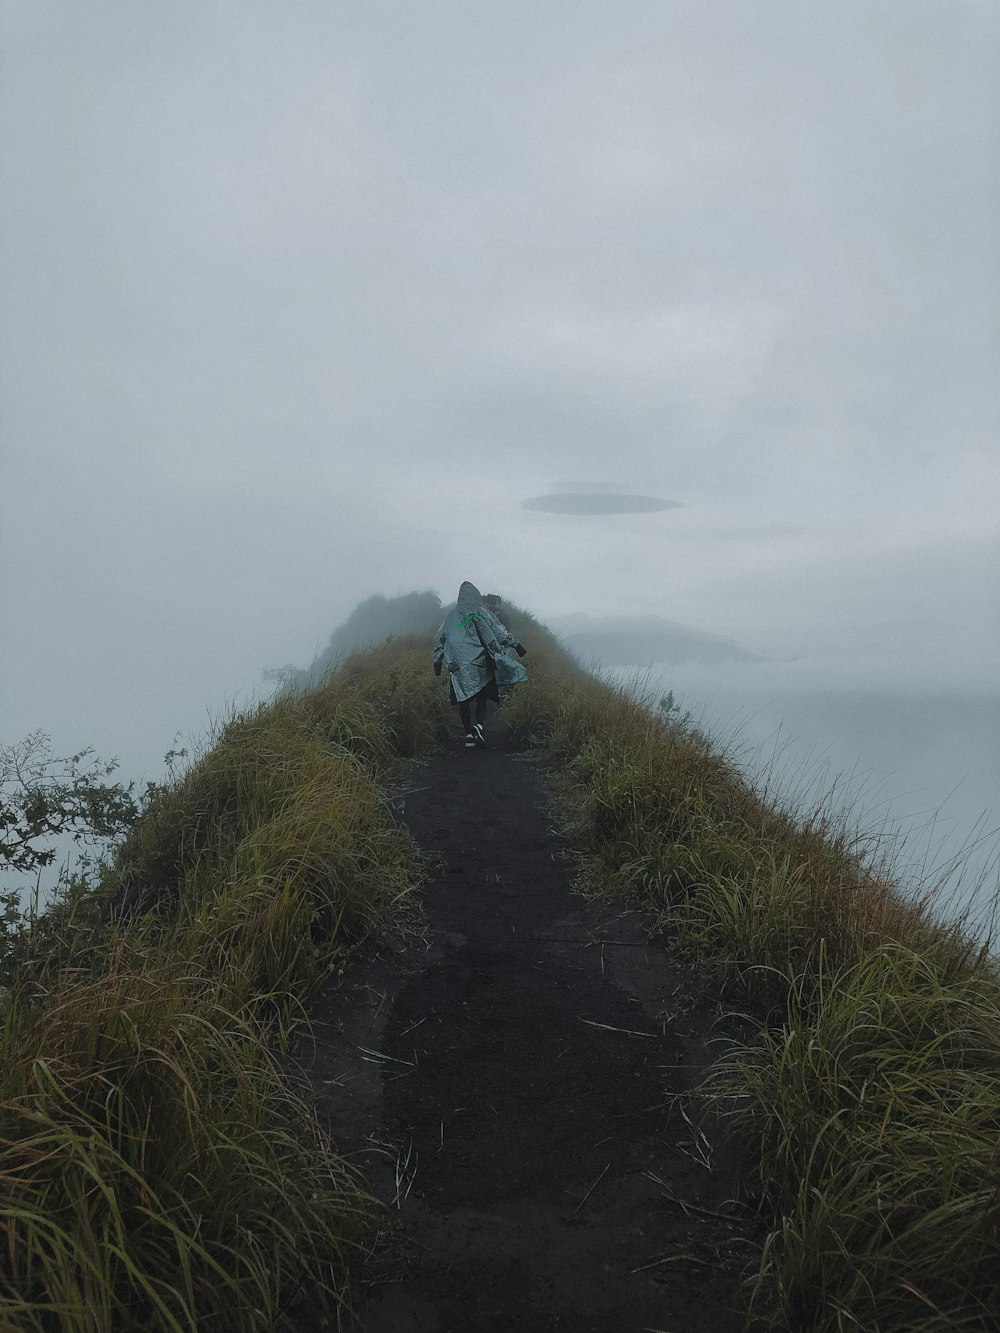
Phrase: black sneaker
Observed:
(470, 740)
(479, 736)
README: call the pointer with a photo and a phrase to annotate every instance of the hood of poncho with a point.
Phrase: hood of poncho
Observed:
(469, 599)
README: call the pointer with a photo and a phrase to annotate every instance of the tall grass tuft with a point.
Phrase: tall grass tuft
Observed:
(156, 1167)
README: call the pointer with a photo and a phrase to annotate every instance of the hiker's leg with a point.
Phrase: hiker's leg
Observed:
(465, 714)
(481, 701)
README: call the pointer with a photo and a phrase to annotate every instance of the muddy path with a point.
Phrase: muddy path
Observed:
(510, 1087)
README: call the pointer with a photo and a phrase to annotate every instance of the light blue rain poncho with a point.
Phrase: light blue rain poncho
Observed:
(475, 647)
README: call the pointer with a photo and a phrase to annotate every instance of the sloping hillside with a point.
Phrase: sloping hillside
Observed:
(163, 1164)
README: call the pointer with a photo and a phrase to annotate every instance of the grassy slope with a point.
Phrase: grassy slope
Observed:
(157, 1166)
(869, 1099)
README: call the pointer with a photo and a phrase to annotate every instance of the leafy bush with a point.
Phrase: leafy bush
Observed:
(43, 795)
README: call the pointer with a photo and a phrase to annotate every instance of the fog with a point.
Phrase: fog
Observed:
(912, 768)
(685, 311)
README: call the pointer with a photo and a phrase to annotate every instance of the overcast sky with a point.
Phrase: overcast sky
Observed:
(301, 300)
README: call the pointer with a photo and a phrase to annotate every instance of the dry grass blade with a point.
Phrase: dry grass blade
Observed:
(608, 1027)
(591, 1189)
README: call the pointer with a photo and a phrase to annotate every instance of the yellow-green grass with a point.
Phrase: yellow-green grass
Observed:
(159, 1165)
(171, 1175)
(868, 1097)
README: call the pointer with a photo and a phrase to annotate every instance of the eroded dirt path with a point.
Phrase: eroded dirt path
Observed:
(509, 1089)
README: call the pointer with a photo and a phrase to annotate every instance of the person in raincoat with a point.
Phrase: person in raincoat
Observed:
(473, 645)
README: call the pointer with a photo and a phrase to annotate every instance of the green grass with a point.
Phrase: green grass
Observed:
(867, 1097)
(158, 1166)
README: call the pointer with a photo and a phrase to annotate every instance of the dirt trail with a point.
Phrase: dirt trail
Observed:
(509, 1090)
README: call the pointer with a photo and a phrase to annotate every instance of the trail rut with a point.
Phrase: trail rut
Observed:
(510, 1087)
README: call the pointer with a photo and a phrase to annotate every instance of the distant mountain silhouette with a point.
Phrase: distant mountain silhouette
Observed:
(371, 621)
(639, 640)
(607, 640)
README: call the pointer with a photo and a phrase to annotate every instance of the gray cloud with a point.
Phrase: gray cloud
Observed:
(602, 502)
(302, 301)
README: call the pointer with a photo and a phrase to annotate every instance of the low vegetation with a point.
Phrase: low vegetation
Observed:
(159, 1165)
(867, 1097)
